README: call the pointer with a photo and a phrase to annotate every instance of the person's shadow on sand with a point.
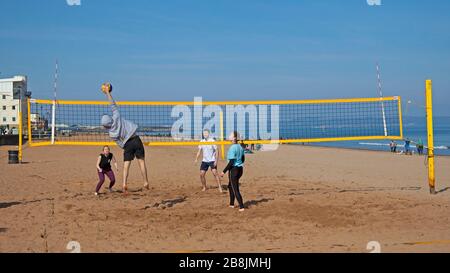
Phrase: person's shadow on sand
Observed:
(257, 202)
(168, 203)
(443, 190)
(9, 204)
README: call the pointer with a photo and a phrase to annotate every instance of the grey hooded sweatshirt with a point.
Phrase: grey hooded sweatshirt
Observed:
(120, 130)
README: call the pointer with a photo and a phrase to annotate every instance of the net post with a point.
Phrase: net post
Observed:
(384, 117)
(20, 135)
(53, 121)
(29, 122)
(222, 146)
(430, 133)
(400, 116)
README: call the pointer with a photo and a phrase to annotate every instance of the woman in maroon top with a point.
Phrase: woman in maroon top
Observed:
(104, 168)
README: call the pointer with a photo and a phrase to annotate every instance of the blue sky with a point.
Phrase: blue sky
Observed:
(229, 49)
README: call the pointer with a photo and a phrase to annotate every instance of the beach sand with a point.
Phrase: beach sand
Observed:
(300, 199)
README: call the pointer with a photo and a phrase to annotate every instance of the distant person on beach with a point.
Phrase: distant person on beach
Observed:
(419, 147)
(243, 145)
(408, 147)
(104, 169)
(123, 132)
(235, 169)
(393, 146)
(210, 159)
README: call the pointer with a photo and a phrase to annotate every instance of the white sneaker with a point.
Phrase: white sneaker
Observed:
(96, 193)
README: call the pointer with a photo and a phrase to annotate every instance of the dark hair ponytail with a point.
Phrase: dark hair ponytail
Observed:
(235, 135)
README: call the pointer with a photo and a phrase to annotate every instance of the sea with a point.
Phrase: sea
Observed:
(414, 128)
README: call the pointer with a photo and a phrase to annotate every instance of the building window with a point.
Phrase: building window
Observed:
(13, 107)
(4, 119)
(14, 119)
(4, 97)
(4, 107)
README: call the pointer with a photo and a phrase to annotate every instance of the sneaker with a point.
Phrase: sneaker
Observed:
(110, 190)
(96, 193)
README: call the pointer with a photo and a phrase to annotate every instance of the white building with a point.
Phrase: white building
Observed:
(13, 97)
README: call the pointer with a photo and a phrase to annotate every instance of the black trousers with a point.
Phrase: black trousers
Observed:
(233, 186)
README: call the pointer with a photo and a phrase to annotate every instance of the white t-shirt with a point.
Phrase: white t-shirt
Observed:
(209, 151)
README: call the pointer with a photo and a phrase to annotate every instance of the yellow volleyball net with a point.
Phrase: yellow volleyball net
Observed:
(64, 122)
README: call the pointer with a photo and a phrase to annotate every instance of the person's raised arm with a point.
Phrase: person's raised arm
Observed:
(114, 108)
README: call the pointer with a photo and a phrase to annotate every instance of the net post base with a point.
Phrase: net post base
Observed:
(433, 191)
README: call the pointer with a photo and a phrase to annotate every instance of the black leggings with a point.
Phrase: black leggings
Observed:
(233, 186)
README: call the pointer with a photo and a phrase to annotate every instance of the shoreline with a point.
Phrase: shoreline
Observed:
(356, 149)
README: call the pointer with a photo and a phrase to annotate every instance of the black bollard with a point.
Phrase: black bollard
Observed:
(13, 157)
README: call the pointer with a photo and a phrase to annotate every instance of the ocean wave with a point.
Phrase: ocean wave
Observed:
(374, 144)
